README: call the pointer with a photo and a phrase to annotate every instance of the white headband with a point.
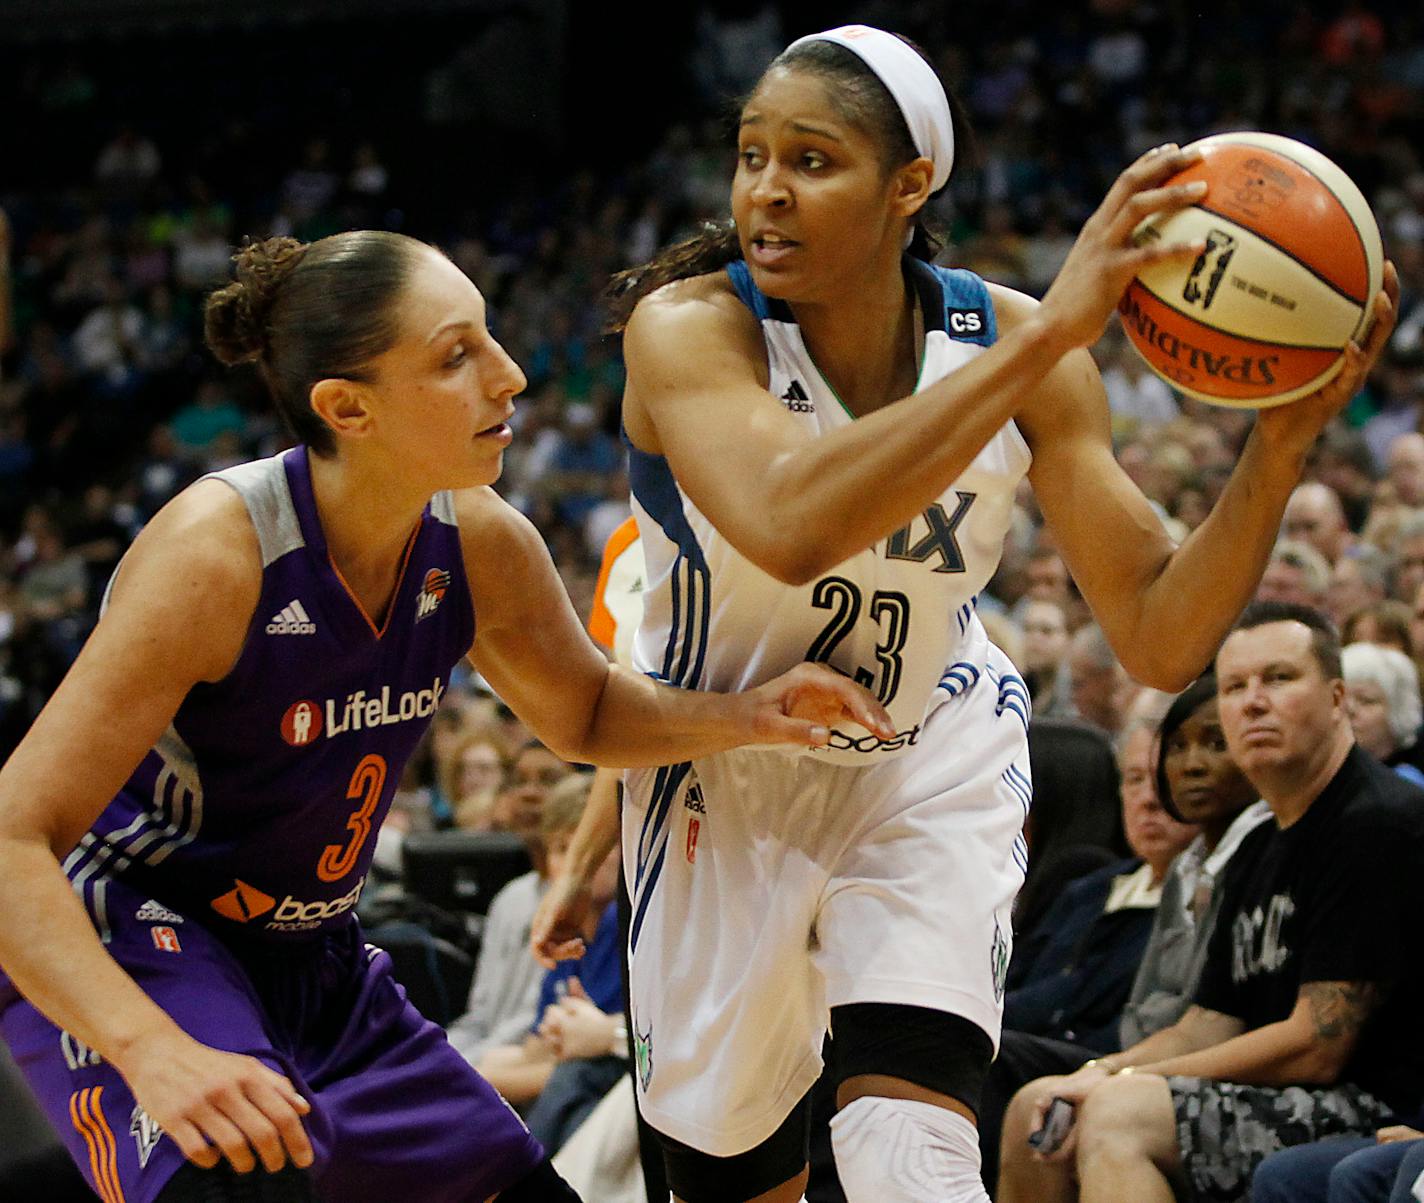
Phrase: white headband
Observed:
(913, 84)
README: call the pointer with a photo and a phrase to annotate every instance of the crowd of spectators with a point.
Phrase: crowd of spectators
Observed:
(108, 404)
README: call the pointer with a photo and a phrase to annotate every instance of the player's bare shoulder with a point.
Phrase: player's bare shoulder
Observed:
(706, 298)
(1069, 398)
(699, 316)
(507, 563)
(683, 339)
(1011, 307)
(195, 573)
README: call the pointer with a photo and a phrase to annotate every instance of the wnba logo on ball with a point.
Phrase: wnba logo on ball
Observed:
(437, 580)
(302, 723)
(1220, 246)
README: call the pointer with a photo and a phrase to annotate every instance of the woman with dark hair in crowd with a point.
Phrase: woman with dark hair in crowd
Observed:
(212, 768)
(827, 434)
(1197, 782)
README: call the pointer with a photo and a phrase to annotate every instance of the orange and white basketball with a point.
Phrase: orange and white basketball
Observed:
(1292, 262)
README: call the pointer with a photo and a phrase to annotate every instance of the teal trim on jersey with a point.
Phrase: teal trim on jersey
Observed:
(830, 388)
(748, 293)
(941, 291)
(963, 291)
(651, 482)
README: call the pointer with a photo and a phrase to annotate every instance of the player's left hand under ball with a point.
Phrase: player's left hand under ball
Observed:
(801, 706)
(1295, 426)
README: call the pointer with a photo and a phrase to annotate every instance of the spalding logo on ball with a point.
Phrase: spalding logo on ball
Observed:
(1292, 262)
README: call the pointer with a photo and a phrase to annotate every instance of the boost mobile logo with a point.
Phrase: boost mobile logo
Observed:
(243, 903)
(841, 742)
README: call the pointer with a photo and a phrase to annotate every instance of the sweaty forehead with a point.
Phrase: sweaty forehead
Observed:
(797, 94)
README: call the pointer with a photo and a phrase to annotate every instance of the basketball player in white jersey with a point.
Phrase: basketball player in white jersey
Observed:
(826, 436)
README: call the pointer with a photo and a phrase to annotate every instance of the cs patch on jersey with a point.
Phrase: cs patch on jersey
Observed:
(966, 323)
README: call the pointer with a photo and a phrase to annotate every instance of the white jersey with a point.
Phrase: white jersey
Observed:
(899, 616)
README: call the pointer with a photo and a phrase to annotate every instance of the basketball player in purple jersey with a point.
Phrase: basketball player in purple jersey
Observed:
(188, 993)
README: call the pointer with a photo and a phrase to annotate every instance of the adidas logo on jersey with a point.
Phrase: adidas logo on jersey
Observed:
(292, 620)
(795, 399)
(155, 912)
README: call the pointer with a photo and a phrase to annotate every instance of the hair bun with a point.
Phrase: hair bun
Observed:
(235, 316)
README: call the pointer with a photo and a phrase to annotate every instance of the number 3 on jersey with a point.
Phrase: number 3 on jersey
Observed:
(367, 782)
(889, 610)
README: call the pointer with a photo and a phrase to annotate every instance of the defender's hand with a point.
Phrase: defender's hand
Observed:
(800, 707)
(1293, 427)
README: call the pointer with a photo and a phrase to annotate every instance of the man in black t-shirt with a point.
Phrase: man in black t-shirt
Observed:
(1301, 1027)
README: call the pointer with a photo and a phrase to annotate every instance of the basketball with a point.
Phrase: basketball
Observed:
(1292, 261)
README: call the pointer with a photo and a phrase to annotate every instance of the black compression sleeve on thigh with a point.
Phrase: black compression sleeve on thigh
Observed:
(698, 1177)
(223, 1184)
(930, 1048)
(542, 1185)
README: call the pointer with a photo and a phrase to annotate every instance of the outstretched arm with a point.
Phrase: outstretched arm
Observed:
(1137, 581)
(795, 506)
(535, 654)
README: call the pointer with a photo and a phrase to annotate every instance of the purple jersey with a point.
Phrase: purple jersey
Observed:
(257, 810)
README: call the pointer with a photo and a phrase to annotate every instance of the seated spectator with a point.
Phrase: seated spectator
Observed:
(1070, 975)
(1080, 781)
(504, 996)
(1405, 466)
(1408, 549)
(1314, 515)
(581, 462)
(212, 412)
(1295, 573)
(591, 1043)
(1303, 1024)
(1385, 624)
(472, 776)
(1197, 781)
(1101, 690)
(1382, 700)
(525, 1070)
(1383, 1168)
(1359, 579)
(520, 803)
(1045, 648)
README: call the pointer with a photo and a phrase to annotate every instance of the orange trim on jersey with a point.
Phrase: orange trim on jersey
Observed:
(601, 623)
(88, 1118)
(395, 593)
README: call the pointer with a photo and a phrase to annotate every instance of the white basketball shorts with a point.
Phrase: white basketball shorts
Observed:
(769, 887)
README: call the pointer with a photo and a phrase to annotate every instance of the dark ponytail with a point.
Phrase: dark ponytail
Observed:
(710, 249)
(304, 312)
